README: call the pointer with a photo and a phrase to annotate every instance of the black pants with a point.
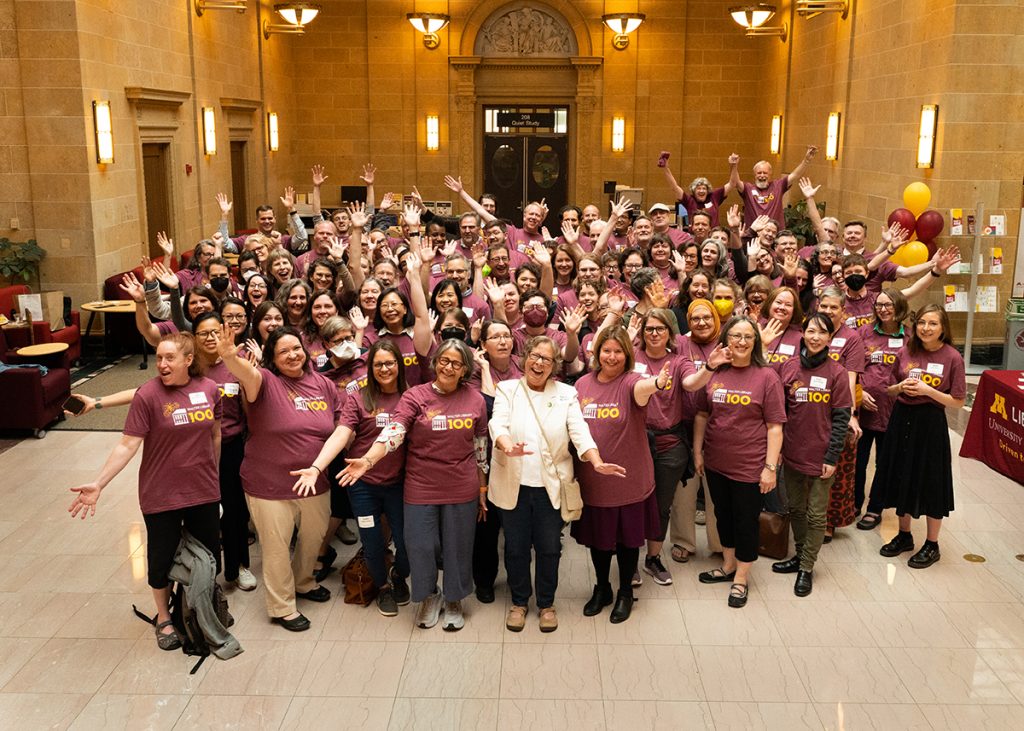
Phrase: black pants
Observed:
(737, 512)
(163, 534)
(628, 560)
(341, 508)
(485, 548)
(861, 473)
(234, 523)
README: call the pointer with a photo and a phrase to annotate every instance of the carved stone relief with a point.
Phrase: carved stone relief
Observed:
(526, 31)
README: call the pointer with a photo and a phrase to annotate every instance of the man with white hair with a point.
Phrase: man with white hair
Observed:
(763, 197)
(701, 196)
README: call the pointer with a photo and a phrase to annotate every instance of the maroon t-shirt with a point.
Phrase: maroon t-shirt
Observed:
(697, 354)
(785, 347)
(367, 426)
(567, 300)
(440, 463)
(740, 402)
(665, 409)
(811, 395)
(317, 350)
(514, 372)
(709, 206)
(233, 422)
(943, 370)
(878, 278)
(520, 239)
(349, 377)
(847, 349)
(520, 336)
(179, 466)
(289, 422)
(767, 202)
(878, 375)
(860, 311)
(415, 368)
(618, 425)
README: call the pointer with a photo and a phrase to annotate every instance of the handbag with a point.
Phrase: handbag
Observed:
(570, 497)
(773, 535)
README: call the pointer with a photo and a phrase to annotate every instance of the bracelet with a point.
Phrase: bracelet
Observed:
(317, 468)
(935, 274)
(483, 489)
(369, 463)
(414, 233)
(709, 368)
(98, 404)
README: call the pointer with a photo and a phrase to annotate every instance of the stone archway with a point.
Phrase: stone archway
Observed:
(526, 51)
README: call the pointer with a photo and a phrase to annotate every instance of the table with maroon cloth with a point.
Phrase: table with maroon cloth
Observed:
(995, 432)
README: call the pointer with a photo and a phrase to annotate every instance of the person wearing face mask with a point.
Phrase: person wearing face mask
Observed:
(248, 264)
(535, 306)
(818, 407)
(453, 325)
(725, 294)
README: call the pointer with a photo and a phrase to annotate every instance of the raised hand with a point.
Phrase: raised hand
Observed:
(218, 244)
(369, 172)
(616, 303)
(621, 208)
(679, 263)
(449, 248)
(732, 216)
(807, 188)
(719, 356)
(148, 272)
(572, 320)
(306, 484)
(633, 328)
(759, 223)
(132, 287)
(319, 176)
(433, 318)
(357, 214)
(946, 258)
(545, 234)
(413, 262)
(655, 291)
(86, 497)
(770, 331)
(812, 150)
(453, 184)
(417, 199)
(819, 282)
(494, 292)
(753, 248)
(734, 159)
(358, 319)
(224, 203)
(544, 208)
(474, 333)
(288, 199)
(226, 342)
(338, 248)
(426, 250)
(253, 349)
(541, 255)
(167, 278)
(789, 266)
(480, 355)
(479, 252)
(570, 234)
(166, 244)
(411, 215)
(386, 202)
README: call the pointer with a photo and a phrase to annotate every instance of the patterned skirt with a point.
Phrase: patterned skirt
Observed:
(841, 511)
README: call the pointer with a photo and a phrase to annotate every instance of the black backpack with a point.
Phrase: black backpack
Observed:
(193, 641)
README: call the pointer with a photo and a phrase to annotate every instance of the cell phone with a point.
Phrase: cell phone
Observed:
(74, 405)
(663, 158)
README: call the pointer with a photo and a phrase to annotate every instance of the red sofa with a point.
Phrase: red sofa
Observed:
(70, 334)
(31, 400)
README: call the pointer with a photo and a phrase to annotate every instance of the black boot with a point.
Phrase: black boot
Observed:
(804, 583)
(600, 599)
(789, 566)
(623, 608)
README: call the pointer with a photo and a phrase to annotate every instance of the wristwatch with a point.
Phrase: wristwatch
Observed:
(772, 467)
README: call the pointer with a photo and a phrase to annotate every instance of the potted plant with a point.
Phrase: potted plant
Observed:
(798, 222)
(19, 261)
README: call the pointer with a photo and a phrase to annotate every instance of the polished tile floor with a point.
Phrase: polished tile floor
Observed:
(877, 645)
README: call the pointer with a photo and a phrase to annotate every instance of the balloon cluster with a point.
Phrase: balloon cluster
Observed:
(923, 224)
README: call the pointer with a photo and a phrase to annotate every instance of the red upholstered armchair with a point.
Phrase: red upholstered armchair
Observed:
(70, 334)
(31, 400)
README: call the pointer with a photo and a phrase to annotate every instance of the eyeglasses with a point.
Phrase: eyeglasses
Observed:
(234, 317)
(456, 365)
(741, 338)
(339, 341)
(528, 308)
(391, 305)
(498, 337)
(257, 285)
(655, 329)
(208, 335)
(704, 319)
(542, 359)
(884, 306)
(385, 365)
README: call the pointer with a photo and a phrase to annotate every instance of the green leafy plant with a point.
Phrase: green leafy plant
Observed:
(798, 222)
(20, 260)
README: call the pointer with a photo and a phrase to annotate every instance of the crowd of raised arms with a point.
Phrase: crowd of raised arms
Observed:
(443, 380)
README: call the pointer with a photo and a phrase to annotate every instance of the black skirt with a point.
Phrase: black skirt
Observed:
(916, 461)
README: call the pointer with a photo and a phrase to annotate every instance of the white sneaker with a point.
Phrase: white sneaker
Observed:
(430, 611)
(246, 581)
(453, 619)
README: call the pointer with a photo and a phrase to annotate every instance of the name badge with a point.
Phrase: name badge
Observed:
(787, 349)
(435, 269)
(640, 367)
(895, 342)
(935, 369)
(231, 389)
(838, 342)
(709, 204)
(851, 322)
(819, 382)
(197, 398)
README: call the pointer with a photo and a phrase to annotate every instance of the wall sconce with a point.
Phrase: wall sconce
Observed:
(926, 135)
(104, 132)
(273, 137)
(209, 131)
(202, 6)
(618, 134)
(429, 24)
(297, 14)
(832, 136)
(622, 24)
(753, 19)
(433, 133)
(776, 140)
(811, 8)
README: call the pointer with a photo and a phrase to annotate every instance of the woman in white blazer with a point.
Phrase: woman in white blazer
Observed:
(531, 478)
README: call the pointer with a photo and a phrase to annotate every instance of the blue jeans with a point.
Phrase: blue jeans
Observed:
(533, 523)
(369, 502)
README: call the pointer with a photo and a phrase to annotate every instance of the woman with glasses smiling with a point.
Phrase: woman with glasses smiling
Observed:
(744, 398)
(404, 321)
(443, 425)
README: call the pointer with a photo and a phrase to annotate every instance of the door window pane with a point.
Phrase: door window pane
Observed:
(545, 168)
(505, 166)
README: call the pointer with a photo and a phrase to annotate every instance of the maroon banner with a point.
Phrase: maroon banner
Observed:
(995, 432)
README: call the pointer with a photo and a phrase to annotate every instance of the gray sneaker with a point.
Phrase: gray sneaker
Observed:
(453, 619)
(386, 603)
(700, 518)
(430, 611)
(638, 580)
(654, 567)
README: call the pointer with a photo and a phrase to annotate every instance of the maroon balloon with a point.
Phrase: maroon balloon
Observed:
(932, 248)
(929, 225)
(904, 218)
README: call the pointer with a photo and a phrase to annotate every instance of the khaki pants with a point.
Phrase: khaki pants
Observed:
(285, 574)
(808, 504)
(683, 530)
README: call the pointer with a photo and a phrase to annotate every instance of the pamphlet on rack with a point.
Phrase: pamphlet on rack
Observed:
(996, 225)
(986, 300)
(997, 260)
(956, 221)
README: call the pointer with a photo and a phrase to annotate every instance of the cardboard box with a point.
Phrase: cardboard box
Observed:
(44, 307)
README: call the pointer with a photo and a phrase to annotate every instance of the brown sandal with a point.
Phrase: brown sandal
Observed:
(680, 554)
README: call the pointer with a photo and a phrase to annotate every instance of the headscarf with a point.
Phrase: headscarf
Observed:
(714, 316)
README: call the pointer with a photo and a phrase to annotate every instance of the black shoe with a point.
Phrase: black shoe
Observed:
(399, 588)
(789, 566)
(296, 624)
(601, 598)
(804, 583)
(738, 596)
(901, 543)
(485, 594)
(386, 603)
(326, 564)
(715, 576)
(622, 609)
(319, 594)
(924, 558)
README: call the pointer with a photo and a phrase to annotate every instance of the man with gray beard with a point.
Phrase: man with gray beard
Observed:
(763, 197)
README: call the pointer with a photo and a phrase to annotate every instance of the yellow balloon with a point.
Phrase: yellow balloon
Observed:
(910, 254)
(916, 198)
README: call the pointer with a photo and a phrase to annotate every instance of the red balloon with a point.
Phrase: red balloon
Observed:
(929, 225)
(904, 218)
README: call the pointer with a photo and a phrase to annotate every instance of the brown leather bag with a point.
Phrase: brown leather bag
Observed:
(356, 578)
(773, 535)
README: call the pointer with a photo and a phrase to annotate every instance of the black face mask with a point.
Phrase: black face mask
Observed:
(855, 282)
(453, 333)
(219, 284)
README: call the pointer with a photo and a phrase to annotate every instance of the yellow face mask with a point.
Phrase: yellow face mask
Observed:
(724, 307)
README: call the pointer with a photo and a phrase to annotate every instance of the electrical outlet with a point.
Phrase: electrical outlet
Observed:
(15, 224)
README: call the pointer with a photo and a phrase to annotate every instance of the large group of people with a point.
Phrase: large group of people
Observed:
(444, 381)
